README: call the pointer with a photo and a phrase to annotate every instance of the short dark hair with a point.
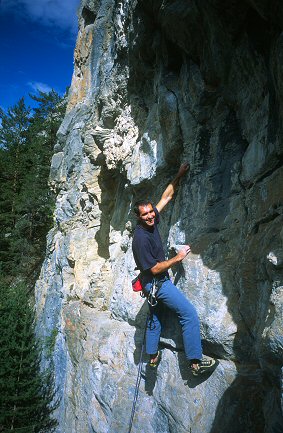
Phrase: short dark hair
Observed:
(139, 203)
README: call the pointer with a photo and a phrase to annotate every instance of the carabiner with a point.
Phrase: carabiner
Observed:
(152, 300)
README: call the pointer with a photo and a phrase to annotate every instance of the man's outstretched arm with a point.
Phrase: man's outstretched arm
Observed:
(171, 188)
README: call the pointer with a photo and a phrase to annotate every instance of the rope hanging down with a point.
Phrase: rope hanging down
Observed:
(137, 387)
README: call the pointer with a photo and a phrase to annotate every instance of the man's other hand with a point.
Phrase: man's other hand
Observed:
(184, 251)
(164, 266)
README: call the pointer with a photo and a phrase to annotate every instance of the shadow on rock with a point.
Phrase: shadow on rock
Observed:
(139, 337)
(150, 379)
(238, 409)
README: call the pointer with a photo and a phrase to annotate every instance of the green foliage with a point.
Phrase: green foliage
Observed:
(13, 145)
(26, 394)
(27, 140)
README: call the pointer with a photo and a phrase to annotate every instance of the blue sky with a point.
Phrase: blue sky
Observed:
(37, 40)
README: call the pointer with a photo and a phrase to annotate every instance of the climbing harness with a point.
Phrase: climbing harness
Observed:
(155, 286)
(138, 378)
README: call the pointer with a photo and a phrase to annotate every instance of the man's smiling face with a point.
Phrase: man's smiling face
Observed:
(147, 215)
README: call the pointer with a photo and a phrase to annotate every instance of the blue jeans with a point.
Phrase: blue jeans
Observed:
(169, 295)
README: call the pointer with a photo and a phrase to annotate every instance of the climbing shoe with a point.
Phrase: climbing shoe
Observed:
(154, 364)
(205, 365)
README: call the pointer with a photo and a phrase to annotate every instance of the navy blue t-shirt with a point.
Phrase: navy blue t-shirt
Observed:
(147, 248)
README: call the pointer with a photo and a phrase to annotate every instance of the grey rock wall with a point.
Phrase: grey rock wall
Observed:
(157, 83)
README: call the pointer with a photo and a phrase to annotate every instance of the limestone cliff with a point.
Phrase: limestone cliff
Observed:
(156, 83)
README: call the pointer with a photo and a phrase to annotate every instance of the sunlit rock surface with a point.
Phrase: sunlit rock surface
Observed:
(155, 84)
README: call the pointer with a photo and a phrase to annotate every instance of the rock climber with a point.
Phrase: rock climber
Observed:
(150, 260)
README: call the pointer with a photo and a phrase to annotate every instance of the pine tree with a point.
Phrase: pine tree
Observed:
(13, 144)
(27, 140)
(26, 394)
(36, 200)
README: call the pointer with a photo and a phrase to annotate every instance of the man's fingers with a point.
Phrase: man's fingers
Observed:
(183, 250)
(183, 168)
(186, 250)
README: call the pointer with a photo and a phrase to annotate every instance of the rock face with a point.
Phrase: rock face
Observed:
(156, 83)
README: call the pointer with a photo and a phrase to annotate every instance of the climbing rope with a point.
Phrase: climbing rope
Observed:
(138, 379)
